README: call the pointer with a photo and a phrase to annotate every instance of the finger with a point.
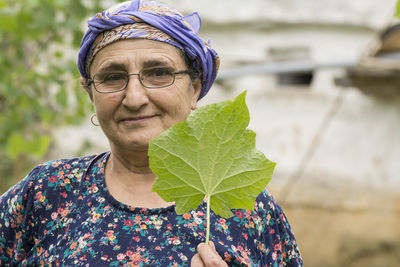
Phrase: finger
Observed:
(196, 261)
(209, 255)
(212, 245)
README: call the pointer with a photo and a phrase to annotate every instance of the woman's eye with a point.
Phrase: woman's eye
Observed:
(157, 72)
(114, 77)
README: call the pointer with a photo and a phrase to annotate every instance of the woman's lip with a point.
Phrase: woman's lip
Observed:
(137, 119)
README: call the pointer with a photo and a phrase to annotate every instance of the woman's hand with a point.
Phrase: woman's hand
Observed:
(207, 256)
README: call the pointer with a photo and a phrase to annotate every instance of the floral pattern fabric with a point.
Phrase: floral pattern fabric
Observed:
(62, 214)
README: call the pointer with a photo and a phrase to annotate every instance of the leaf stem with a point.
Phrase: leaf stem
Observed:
(208, 220)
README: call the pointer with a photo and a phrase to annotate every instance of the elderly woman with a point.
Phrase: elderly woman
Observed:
(144, 67)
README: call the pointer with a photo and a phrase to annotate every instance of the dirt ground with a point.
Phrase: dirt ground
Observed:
(345, 227)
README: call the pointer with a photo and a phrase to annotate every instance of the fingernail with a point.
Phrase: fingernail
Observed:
(212, 244)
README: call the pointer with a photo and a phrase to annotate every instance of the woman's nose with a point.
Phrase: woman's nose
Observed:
(135, 93)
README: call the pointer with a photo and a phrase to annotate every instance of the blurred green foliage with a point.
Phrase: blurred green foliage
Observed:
(397, 12)
(39, 80)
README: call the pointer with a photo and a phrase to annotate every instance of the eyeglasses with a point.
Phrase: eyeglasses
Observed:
(115, 81)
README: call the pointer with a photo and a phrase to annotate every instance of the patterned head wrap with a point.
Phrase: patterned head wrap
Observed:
(154, 21)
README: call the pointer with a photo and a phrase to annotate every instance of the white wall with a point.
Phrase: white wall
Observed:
(356, 12)
(287, 120)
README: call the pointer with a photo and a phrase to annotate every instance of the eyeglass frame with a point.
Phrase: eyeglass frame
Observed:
(90, 81)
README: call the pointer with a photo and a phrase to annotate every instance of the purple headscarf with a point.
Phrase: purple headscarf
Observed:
(183, 29)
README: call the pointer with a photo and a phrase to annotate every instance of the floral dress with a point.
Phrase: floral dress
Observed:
(62, 214)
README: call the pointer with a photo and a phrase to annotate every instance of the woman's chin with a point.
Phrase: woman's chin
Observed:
(133, 140)
(135, 144)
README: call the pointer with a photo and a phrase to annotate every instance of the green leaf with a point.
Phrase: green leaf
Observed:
(212, 154)
(7, 23)
(62, 97)
(18, 145)
(15, 145)
(39, 146)
(397, 12)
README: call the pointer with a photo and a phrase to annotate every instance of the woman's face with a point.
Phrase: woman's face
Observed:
(130, 118)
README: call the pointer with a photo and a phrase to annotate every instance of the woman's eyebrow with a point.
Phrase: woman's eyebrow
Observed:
(147, 64)
(112, 66)
(155, 63)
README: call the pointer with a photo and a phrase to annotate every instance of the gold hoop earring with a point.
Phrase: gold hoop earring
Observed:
(92, 120)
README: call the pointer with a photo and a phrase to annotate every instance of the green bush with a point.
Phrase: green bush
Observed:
(39, 84)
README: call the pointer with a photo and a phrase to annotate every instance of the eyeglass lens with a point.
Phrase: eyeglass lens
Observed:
(116, 81)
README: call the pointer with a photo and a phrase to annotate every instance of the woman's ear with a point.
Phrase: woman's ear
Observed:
(197, 89)
(86, 87)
